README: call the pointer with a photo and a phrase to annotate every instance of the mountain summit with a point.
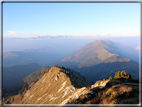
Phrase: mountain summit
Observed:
(102, 51)
(102, 57)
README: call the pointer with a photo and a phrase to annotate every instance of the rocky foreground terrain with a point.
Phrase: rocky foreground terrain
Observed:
(64, 86)
(121, 91)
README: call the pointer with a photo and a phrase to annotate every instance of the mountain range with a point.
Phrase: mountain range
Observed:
(75, 74)
(103, 57)
(42, 56)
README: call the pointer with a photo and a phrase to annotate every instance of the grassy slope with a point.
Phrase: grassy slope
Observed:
(48, 90)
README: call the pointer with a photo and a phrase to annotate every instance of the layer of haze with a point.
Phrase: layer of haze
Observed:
(62, 44)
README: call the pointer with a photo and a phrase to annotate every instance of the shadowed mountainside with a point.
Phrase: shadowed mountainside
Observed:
(42, 56)
(13, 75)
(104, 70)
(102, 57)
(35, 76)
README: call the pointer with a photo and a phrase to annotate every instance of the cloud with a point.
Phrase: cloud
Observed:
(16, 32)
(35, 36)
(74, 36)
(138, 48)
(12, 32)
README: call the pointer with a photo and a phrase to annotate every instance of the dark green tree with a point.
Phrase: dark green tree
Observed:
(119, 74)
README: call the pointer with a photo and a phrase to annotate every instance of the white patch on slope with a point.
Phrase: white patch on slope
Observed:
(31, 96)
(68, 90)
(102, 83)
(62, 86)
(41, 97)
(54, 98)
(44, 96)
(26, 95)
(76, 94)
(43, 80)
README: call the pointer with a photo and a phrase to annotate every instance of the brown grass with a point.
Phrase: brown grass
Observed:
(125, 88)
(114, 94)
(105, 101)
(96, 101)
(119, 93)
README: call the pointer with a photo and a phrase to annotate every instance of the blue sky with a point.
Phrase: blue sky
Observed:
(82, 19)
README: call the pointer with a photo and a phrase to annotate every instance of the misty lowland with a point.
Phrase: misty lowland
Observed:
(86, 71)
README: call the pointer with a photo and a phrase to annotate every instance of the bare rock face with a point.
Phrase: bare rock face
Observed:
(50, 70)
(100, 83)
(76, 93)
(57, 77)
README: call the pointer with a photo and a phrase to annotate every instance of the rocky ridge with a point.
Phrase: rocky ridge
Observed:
(55, 87)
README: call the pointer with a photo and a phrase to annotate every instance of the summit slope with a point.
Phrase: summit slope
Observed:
(98, 52)
(102, 58)
(55, 87)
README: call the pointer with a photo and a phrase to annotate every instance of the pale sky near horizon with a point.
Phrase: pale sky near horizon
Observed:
(29, 19)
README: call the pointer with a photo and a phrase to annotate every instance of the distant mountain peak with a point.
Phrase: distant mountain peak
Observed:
(100, 57)
(99, 51)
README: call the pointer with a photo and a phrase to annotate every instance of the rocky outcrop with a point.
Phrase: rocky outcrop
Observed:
(57, 77)
(100, 83)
